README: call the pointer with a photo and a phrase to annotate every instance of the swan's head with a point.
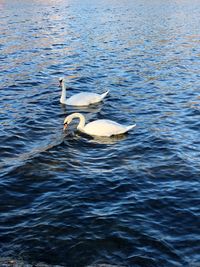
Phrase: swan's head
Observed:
(67, 121)
(61, 81)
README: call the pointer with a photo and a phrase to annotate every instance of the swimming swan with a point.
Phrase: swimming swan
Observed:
(80, 99)
(102, 128)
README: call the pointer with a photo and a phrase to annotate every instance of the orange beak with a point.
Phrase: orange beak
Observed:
(65, 126)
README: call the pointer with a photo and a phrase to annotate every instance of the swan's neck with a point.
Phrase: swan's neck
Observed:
(81, 124)
(63, 94)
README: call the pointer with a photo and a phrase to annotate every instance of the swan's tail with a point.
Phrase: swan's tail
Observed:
(130, 127)
(104, 94)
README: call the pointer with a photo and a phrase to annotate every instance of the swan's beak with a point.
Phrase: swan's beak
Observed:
(60, 83)
(65, 126)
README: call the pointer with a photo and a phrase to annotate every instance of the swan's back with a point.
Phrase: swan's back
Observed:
(83, 99)
(105, 128)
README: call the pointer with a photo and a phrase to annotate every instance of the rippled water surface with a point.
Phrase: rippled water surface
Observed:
(72, 200)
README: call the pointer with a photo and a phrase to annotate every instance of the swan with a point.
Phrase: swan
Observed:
(104, 128)
(80, 99)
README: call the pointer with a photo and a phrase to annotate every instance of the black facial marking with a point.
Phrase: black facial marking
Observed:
(60, 82)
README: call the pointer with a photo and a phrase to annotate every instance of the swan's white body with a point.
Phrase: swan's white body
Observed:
(102, 128)
(80, 99)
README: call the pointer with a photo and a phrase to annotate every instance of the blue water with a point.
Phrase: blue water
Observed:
(73, 200)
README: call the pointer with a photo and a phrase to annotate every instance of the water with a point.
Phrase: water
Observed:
(72, 200)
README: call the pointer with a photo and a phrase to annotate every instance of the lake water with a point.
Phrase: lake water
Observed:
(73, 200)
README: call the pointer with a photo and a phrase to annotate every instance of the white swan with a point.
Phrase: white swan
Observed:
(104, 128)
(80, 99)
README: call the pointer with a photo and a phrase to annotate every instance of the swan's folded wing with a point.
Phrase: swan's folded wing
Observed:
(83, 99)
(104, 128)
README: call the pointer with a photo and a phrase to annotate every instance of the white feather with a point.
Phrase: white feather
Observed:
(80, 99)
(104, 128)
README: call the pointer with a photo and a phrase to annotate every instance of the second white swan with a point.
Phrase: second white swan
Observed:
(104, 128)
(80, 99)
